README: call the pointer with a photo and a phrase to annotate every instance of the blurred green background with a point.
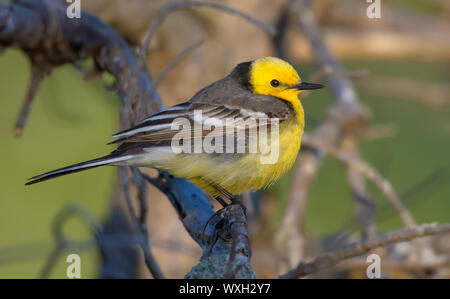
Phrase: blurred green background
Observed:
(71, 120)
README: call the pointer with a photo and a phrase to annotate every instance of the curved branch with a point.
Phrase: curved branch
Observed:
(169, 8)
(327, 260)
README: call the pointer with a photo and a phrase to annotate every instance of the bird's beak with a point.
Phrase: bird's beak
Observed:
(307, 86)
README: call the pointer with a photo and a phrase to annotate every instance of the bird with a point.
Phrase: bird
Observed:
(266, 89)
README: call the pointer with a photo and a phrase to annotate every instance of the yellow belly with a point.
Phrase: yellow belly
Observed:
(239, 173)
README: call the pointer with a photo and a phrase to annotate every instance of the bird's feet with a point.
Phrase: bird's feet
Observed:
(235, 201)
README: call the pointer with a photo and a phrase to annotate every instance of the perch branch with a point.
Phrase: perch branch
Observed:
(225, 241)
(240, 248)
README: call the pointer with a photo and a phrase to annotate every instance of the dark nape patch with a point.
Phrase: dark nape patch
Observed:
(242, 74)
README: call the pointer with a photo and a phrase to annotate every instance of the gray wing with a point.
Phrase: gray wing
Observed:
(157, 130)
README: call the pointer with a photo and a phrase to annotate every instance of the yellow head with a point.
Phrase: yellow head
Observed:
(275, 77)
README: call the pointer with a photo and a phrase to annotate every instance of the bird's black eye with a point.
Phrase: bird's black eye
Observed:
(274, 83)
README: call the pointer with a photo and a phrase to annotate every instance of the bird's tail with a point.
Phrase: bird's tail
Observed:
(109, 159)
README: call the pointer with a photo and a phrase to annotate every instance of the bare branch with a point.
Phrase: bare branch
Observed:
(63, 40)
(365, 209)
(170, 7)
(240, 250)
(140, 227)
(369, 172)
(32, 89)
(282, 25)
(327, 260)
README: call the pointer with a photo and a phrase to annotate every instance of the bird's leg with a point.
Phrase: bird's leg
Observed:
(234, 199)
(225, 195)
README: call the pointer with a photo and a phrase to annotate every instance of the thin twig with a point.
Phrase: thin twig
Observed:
(282, 25)
(141, 186)
(369, 172)
(35, 81)
(170, 7)
(365, 208)
(150, 260)
(328, 260)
